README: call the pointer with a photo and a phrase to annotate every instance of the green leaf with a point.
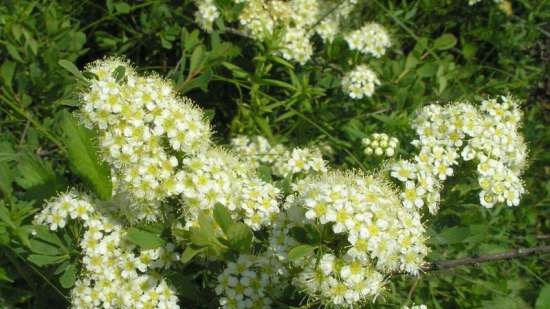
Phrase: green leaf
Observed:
(427, 69)
(543, 300)
(205, 233)
(223, 217)
(7, 70)
(264, 172)
(239, 236)
(33, 172)
(411, 62)
(84, 159)
(43, 248)
(13, 52)
(71, 68)
(68, 277)
(6, 179)
(300, 252)
(43, 233)
(264, 126)
(5, 215)
(4, 275)
(144, 239)
(42, 260)
(197, 59)
(445, 41)
(36, 177)
(451, 235)
(118, 73)
(188, 254)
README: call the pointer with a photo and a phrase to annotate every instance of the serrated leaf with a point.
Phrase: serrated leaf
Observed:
(84, 159)
(43, 248)
(300, 252)
(42, 260)
(43, 233)
(222, 217)
(239, 236)
(36, 177)
(33, 172)
(144, 239)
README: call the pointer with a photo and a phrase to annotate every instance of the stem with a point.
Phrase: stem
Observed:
(108, 17)
(35, 123)
(507, 255)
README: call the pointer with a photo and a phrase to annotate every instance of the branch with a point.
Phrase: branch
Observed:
(522, 252)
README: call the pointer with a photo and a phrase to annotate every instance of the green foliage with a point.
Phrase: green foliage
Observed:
(144, 239)
(442, 51)
(84, 158)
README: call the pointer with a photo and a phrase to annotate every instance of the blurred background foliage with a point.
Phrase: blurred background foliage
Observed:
(443, 50)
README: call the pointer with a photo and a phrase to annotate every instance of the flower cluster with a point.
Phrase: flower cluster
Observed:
(219, 177)
(114, 273)
(158, 146)
(252, 281)
(206, 14)
(143, 129)
(283, 161)
(294, 23)
(371, 39)
(134, 115)
(380, 144)
(340, 281)
(382, 236)
(360, 82)
(69, 205)
(245, 283)
(488, 134)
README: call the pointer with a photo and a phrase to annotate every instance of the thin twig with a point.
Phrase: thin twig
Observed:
(25, 114)
(521, 252)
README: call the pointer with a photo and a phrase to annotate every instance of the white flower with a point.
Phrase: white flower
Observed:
(360, 82)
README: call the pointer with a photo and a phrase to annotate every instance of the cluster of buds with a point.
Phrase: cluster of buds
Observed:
(380, 144)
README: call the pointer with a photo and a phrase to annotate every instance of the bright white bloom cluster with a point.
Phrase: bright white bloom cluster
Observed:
(380, 144)
(489, 134)
(416, 307)
(371, 39)
(57, 211)
(245, 283)
(206, 13)
(256, 151)
(254, 280)
(134, 116)
(329, 27)
(383, 236)
(294, 22)
(142, 125)
(360, 82)
(219, 177)
(115, 274)
(340, 281)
